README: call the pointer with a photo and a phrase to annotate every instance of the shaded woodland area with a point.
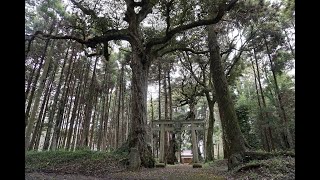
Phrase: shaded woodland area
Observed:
(98, 73)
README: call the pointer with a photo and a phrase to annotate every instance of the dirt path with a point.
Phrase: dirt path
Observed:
(176, 172)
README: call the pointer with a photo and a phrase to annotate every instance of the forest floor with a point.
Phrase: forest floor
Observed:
(170, 172)
(97, 166)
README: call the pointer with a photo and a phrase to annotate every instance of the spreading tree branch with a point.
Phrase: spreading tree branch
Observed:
(223, 8)
(92, 42)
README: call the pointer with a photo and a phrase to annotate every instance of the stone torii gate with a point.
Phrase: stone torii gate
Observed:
(178, 126)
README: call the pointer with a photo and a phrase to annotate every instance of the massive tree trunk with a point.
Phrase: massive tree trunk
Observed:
(140, 69)
(230, 126)
(140, 64)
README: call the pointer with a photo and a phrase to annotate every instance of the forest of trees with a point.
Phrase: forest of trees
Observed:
(97, 72)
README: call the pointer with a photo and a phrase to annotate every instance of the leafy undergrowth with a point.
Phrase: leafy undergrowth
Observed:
(83, 162)
(277, 168)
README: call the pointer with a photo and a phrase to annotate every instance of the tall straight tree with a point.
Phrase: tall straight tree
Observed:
(230, 125)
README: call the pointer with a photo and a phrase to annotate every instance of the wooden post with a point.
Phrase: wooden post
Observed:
(194, 144)
(162, 133)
